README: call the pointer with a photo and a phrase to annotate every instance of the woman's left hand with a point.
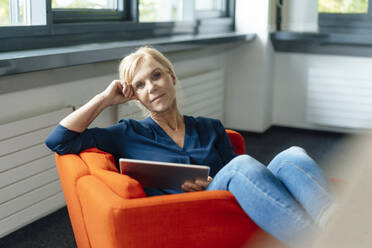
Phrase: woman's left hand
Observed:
(197, 185)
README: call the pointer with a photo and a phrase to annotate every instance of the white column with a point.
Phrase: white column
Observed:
(248, 104)
(300, 15)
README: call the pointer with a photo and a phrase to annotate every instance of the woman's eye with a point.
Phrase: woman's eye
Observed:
(156, 75)
(139, 85)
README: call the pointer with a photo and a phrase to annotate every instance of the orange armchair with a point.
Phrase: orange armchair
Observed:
(110, 210)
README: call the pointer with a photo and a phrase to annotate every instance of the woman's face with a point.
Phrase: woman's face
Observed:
(154, 86)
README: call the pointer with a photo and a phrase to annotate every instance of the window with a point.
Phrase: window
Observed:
(160, 11)
(345, 16)
(211, 8)
(177, 10)
(73, 11)
(343, 7)
(21, 12)
(88, 4)
(30, 24)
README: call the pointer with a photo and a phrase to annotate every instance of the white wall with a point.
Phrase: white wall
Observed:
(291, 79)
(77, 88)
(249, 71)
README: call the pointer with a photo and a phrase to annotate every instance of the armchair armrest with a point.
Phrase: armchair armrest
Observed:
(102, 165)
(122, 185)
(200, 219)
(70, 169)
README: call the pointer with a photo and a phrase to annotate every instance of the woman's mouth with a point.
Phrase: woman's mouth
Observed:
(157, 98)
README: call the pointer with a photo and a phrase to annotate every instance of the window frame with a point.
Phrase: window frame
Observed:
(83, 15)
(346, 23)
(65, 15)
(206, 23)
(105, 27)
(23, 31)
(213, 14)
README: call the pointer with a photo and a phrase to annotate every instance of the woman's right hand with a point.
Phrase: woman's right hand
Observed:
(118, 92)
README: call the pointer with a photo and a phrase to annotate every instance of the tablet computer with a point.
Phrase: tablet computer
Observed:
(164, 175)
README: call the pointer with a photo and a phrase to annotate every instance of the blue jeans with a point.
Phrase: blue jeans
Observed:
(285, 198)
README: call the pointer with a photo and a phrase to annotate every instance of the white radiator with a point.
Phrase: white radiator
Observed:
(29, 183)
(338, 98)
(203, 95)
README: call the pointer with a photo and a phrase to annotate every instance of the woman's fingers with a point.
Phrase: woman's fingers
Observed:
(190, 187)
(125, 88)
(202, 183)
(185, 188)
(128, 91)
(198, 185)
(131, 94)
(118, 92)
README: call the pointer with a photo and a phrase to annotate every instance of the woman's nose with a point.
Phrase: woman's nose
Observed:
(151, 86)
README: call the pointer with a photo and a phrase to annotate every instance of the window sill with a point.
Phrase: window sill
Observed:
(49, 58)
(322, 43)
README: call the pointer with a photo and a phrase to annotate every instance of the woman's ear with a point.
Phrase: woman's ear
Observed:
(173, 78)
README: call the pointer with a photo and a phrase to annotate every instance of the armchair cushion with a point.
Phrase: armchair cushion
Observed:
(102, 166)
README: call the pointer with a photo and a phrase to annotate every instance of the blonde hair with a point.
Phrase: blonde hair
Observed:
(129, 65)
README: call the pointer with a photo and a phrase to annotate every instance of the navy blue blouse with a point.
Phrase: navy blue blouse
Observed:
(205, 143)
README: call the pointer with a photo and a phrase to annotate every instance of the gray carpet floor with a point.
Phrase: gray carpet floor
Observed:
(55, 230)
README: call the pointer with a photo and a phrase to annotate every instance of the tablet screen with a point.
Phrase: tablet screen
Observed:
(154, 174)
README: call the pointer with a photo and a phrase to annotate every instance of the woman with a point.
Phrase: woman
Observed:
(288, 198)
